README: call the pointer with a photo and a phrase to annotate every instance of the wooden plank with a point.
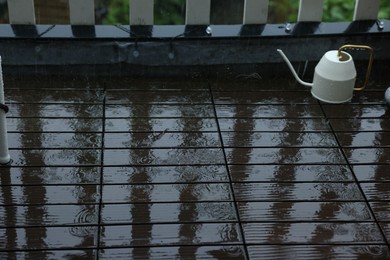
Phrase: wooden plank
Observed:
(264, 211)
(198, 12)
(366, 10)
(165, 252)
(310, 10)
(255, 11)
(310, 251)
(141, 12)
(148, 235)
(21, 11)
(314, 192)
(82, 12)
(167, 212)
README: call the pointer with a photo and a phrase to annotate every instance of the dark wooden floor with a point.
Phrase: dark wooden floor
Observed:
(167, 169)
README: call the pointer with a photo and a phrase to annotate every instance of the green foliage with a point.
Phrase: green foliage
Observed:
(384, 11)
(334, 10)
(169, 12)
(338, 10)
(118, 12)
(282, 10)
(293, 15)
(165, 12)
(173, 11)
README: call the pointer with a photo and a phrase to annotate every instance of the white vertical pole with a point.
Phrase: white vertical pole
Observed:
(21, 11)
(255, 11)
(310, 10)
(82, 12)
(198, 12)
(141, 12)
(366, 10)
(4, 154)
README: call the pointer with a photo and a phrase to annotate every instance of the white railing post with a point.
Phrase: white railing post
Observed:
(82, 12)
(21, 11)
(141, 12)
(198, 12)
(366, 10)
(4, 153)
(255, 11)
(310, 10)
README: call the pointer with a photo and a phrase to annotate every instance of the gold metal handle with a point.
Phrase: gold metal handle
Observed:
(360, 47)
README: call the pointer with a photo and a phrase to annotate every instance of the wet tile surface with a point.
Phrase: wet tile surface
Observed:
(319, 252)
(166, 169)
(184, 252)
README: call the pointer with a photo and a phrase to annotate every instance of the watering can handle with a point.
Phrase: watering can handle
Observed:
(360, 47)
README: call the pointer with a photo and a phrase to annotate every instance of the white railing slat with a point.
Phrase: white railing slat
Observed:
(366, 10)
(198, 12)
(82, 12)
(310, 10)
(141, 12)
(21, 11)
(255, 11)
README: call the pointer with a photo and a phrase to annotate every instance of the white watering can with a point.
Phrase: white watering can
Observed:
(335, 75)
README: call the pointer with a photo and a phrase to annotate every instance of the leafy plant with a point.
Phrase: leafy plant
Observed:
(169, 12)
(165, 12)
(338, 10)
(118, 12)
(280, 11)
(384, 11)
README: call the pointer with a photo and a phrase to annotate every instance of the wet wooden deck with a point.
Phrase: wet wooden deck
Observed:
(167, 169)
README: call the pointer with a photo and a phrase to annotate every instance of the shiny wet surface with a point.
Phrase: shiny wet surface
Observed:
(168, 169)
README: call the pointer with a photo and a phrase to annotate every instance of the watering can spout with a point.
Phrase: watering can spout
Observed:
(293, 70)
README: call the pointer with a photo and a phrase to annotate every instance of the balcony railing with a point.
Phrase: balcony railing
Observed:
(197, 11)
(143, 47)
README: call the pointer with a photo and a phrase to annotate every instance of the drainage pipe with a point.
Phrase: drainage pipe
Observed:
(4, 153)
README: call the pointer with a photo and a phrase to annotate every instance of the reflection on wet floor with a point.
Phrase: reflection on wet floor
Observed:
(166, 169)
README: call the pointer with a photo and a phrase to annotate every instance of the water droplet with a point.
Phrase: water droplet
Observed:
(85, 216)
(325, 121)
(233, 251)
(374, 250)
